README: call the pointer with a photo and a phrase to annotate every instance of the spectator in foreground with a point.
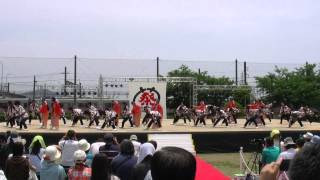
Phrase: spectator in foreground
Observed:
(143, 166)
(94, 149)
(111, 147)
(123, 164)
(68, 145)
(300, 144)
(84, 145)
(270, 153)
(172, 163)
(50, 169)
(136, 144)
(36, 148)
(307, 136)
(306, 164)
(290, 151)
(17, 166)
(79, 171)
(101, 168)
(4, 152)
(275, 136)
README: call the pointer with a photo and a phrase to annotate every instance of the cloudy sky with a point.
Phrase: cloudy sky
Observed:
(125, 36)
(218, 30)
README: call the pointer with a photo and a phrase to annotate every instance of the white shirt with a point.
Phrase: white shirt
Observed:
(136, 146)
(94, 149)
(288, 154)
(77, 112)
(2, 176)
(68, 148)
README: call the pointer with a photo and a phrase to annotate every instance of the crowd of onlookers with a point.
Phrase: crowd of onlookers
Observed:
(105, 159)
(289, 159)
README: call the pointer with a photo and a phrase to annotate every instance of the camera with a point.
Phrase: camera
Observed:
(258, 144)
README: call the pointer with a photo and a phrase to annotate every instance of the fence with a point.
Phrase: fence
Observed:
(39, 77)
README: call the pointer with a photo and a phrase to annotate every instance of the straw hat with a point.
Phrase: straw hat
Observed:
(52, 153)
(84, 145)
(79, 156)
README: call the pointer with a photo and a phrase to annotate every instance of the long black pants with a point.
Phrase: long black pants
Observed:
(146, 119)
(37, 116)
(23, 122)
(284, 116)
(11, 121)
(155, 120)
(234, 117)
(293, 120)
(201, 120)
(251, 120)
(225, 120)
(76, 119)
(94, 119)
(177, 117)
(125, 119)
(64, 119)
(110, 121)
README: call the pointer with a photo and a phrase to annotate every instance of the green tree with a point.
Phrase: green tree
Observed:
(182, 92)
(296, 88)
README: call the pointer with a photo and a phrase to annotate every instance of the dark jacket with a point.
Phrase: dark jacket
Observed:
(122, 166)
(140, 170)
(17, 168)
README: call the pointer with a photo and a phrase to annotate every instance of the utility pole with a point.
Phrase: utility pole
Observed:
(65, 81)
(236, 72)
(80, 90)
(34, 88)
(45, 91)
(245, 72)
(157, 66)
(8, 90)
(75, 82)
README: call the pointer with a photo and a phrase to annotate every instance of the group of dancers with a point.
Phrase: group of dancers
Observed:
(17, 115)
(255, 113)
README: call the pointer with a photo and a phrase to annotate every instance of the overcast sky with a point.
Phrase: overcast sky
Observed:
(253, 30)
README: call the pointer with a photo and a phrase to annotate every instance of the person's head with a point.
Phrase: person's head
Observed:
(300, 142)
(154, 143)
(126, 148)
(89, 104)
(100, 167)
(10, 103)
(35, 149)
(108, 138)
(3, 139)
(269, 142)
(146, 149)
(53, 99)
(17, 149)
(79, 157)
(307, 136)
(306, 164)
(289, 143)
(17, 103)
(275, 134)
(70, 135)
(84, 145)
(173, 163)
(52, 153)
(134, 137)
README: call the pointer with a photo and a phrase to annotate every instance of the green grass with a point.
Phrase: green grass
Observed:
(228, 163)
